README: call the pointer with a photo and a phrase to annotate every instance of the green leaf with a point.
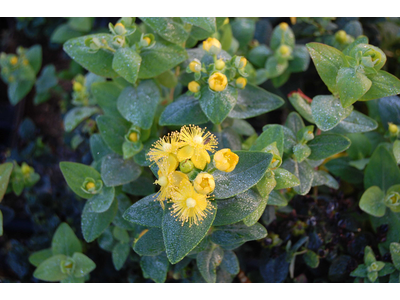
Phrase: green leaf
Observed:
(34, 56)
(382, 170)
(63, 33)
(393, 235)
(372, 201)
(361, 271)
(117, 171)
(352, 85)
(362, 39)
(126, 63)
(340, 167)
(103, 200)
(106, 94)
(249, 170)
(300, 61)
(119, 255)
(273, 134)
(184, 110)
(254, 101)
(151, 243)
(243, 30)
(76, 115)
(65, 241)
(93, 224)
(155, 267)
(5, 172)
(384, 84)
(396, 152)
(138, 105)
(99, 63)
(301, 152)
(294, 122)
(83, 265)
(208, 24)
(369, 256)
(387, 269)
(328, 112)
(275, 68)
(217, 105)
(303, 171)
(253, 218)
(50, 269)
(326, 145)
(168, 29)
(38, 257)
(285, 179)
(75, 174)
(47, 80)
(145, 212)
(276, 198)
(142, 186)
(81, 23)
(327, 61)
(237, 208)
(258, 55)
(208, 261)
(230, 263)
(372, 276)
(282, 36)
(311, 259)
(356, 122)
(123, 204)
(121, 235)
(302, 106)
(160, 58)
(395, 252)
(113, 132)
(324, 178)
(106, 240)
(180, 238)
(266, 184)
(17, 90)
(98, 147)
(232, 236)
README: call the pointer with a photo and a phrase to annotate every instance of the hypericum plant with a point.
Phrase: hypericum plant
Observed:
(64, 261)
(281, 59)
(19, 71)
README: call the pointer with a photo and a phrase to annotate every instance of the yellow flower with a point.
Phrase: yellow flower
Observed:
(90, 185)
(284, 51)
(195, 66)
(133, 137)
(204, 183)
(168, 181)
(196, 142)
(147, 39)
(14, 60)
(283, 26)
(241, 82)
(194, 87)
(219, 64)
(189, 206)
(165, 149)
(217, 82)
(212, 45)
(225, 160)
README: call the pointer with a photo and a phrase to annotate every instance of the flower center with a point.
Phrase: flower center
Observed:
(163, 181)
(204, 183)
(198, 139)
(167, 147)
(190, 202)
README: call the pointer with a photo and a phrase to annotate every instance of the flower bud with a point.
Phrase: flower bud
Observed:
(204, 183)
(225, 160)
(242, 63)
(218, 82)
(194, 87)
(67, 266)
(212, 46)
(393, 200)
(241, 82)
(308, 135)
(119, 29)
(341, 36)
(393, 129)
(14, 60)
(77, 86)
(195, 66)
(284, 51)
(26, 169)
(147, 40)
(90, 186)
(284, 26)
(133, 137)
(220, 64)
(186, 166)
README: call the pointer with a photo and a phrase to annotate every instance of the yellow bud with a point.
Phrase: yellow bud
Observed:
(242, 63)
(284, 51)
(226, 21)
(341, 36)
(293, 20)
(25, 62)
(225, 160)
(90, 185)
(218, 82)
(195, 66)
(241, 82)
(133, 137)
(204, 183)
(194, 87)
(14, 60)
(25, 169)
(77, 86)
(212, 45)
(393, 128)
(147, 39)
(119, 28)
(219, 64)
(283, 26)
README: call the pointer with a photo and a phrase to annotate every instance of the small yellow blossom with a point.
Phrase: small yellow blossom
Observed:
(195, 144)
(393, 128)
(90, 185)
(165, 149)
(283, 26)
(147, 39)
(189, 206)
(195, 66)
(119, 28)
(241, 82)
(133, 137)
(168, 181)
(219, 64)
(218, 82)
(225, 160)
(341, 36)
(212, 45)
(194, 87)
(14, 60)
(242, 63)
(26, 169)
(204, 183)
(77, 86)
(284, 51)
(293, 20)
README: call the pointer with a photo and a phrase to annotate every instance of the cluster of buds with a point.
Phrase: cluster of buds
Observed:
(218, 74)
(185, 171)
(80, 95)
(11, 64)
